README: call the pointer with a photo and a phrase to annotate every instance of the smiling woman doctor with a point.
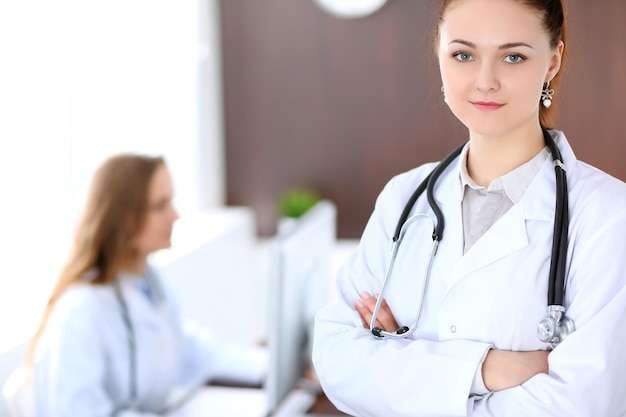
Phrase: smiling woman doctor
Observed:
(507, 294)
(111, 342)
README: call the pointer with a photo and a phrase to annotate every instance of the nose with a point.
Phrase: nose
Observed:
(487, 78)
(174, 213)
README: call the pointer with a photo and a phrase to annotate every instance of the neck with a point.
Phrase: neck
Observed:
(138, 267)
(491, 157)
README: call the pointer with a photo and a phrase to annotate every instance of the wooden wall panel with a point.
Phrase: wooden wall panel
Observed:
(593, 97)
(343, 105)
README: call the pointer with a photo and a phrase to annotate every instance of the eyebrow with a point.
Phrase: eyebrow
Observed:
(504, 46)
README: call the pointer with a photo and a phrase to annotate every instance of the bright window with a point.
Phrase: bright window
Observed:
(80, 81)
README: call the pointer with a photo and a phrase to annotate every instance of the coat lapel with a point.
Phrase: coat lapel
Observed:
(509, 234)
(506, 236)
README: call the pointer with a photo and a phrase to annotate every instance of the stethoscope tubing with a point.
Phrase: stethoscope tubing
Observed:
(430, 187)
(132, 348)
(403, 331)
(556, 281)
(159, 295)
(556, 287)
(427, 183)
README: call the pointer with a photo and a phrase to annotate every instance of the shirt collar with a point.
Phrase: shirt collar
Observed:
(514, 183)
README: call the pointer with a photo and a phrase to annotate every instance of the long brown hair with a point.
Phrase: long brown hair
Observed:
(114, 214)
(555, 25)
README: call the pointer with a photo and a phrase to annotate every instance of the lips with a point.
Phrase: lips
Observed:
(486, 105)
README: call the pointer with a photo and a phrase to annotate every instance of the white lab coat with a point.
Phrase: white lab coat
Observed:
(494, 295)
(82, 362)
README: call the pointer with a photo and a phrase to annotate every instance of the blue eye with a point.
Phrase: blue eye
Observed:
(514, 58)
(463, 56)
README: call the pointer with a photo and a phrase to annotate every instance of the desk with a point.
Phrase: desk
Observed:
(226, 401)
(302, 403)
(323, 405)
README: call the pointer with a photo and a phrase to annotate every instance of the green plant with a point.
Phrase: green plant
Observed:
(294, 202)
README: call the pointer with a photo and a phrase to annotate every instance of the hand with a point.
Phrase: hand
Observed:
(504, 369)
(385, 320)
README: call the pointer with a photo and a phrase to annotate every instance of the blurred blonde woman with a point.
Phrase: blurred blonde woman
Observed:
(111, 342)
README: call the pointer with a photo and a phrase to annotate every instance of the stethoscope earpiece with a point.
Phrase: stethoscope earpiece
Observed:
(380, 334)
(377, 332)
(402, 330)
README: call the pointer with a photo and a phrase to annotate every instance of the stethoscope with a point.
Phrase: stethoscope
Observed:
(555, 326)
(157, 292)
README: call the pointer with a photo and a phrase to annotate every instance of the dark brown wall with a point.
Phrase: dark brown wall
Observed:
(343, 105)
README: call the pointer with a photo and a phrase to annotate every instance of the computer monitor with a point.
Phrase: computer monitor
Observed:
(299, 284)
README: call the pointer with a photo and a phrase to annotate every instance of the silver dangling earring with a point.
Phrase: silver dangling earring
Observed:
(546, 95)
(443, 90)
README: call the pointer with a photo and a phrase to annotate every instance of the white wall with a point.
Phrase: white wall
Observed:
(144, 76)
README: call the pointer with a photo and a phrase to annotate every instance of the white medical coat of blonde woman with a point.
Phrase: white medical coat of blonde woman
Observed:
(494, 295)
(82, 362)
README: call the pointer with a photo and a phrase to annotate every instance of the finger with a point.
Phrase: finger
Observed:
(364, 313)
(386, 318)
(368, 300)
(387, 311)
(387, 321)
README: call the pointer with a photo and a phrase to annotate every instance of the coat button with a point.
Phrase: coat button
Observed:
(452, 329)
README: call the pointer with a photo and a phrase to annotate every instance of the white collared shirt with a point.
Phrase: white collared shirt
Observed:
(483, 206)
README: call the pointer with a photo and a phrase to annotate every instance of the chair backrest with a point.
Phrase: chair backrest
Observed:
(19, 395)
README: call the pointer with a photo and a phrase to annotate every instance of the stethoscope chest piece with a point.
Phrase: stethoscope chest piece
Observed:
(555, 327)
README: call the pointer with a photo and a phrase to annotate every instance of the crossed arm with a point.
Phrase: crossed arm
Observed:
(501, 369)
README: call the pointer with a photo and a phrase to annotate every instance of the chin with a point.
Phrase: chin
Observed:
(488, 127)
(487, 132)
(497, 123)
(164, 245)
